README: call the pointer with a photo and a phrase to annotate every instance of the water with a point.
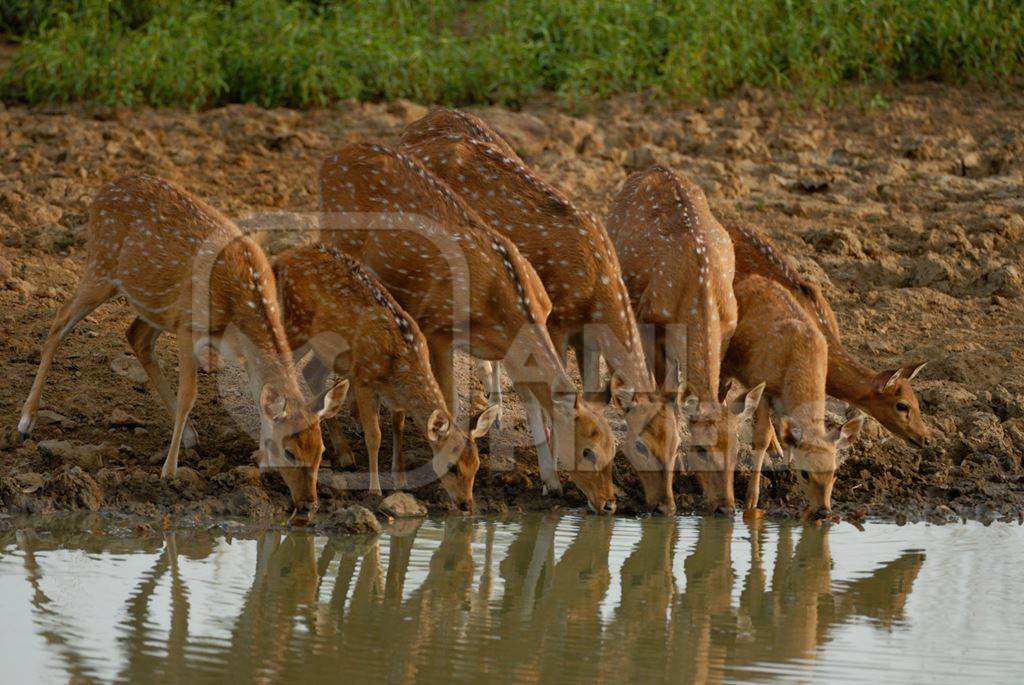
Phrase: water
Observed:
(542, 597)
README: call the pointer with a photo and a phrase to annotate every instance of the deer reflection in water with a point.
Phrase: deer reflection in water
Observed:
(540, 596)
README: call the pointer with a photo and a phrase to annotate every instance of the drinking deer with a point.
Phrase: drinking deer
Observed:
(459, 279)
(777, 343)
(577, 264)
(185, 268)
(677, 263)
(334, 306)
(885, 395)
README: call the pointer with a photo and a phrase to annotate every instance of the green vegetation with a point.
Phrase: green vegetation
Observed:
(280, 52)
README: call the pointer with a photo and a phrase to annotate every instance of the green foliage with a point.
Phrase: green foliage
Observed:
(310, 52)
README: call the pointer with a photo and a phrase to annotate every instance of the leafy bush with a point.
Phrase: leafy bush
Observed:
(308, 52)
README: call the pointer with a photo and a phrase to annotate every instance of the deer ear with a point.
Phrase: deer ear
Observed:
(329, 404)
(911, 370)
(622, 396)
(750, 402)
(849, 432)
(600, 399)
(789, 432)
(690, 405)
(272, 404)
(886, 380)
(482, 422)
(438, 426)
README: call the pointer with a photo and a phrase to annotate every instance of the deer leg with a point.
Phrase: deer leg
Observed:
(87, 298)
(545, 460)
(368, 410)
(187, 371)
(441, 361)
(763, 433)
(397, 455)
(316, 374)
(142, 337)
(490, 375)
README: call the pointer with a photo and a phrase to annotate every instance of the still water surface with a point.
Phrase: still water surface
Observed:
(542, 597)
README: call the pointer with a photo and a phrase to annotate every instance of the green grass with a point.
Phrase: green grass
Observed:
(298, 53)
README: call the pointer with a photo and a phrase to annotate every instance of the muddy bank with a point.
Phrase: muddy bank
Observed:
(910, 216)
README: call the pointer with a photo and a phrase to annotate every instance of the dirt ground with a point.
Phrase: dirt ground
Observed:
(909, 213)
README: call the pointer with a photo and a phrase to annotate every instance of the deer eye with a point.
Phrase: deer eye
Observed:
(290, 457)
(590, 455)
(805, 475)
(641, 447)
(701, 451)
(903, 407)
(453, 467)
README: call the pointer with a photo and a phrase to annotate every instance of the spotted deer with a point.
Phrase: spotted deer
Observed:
(185, 268)
(885, 395)
(577, 264)
(457, 278)
(677, 264)
(335, 307)
(778, 343)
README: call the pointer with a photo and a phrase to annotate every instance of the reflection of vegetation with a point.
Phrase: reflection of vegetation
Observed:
(517, 602)
(288, 52)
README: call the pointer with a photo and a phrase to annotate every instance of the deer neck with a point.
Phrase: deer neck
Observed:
(848, 380)
(621, 345)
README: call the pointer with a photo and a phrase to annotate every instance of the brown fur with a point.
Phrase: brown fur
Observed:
(165, 250)
(578, 266)
(885, 395)
(423, 228)
(336, 307)
(776, 342)
(677, 262)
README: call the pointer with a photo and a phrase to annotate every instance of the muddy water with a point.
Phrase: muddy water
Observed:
(556, 598)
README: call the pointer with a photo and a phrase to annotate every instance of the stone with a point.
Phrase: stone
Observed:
(186, 476)
(120, 418)
(335, 483)
(402, 505)
(246, 475)
(88, 457)
(45, 417)
(129, 367)
(354, 520)
(29, 482)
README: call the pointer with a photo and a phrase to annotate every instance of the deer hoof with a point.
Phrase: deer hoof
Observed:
(552, 490)
(167, 472)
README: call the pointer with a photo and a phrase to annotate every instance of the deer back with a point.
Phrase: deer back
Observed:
(677, 263)
(567, 246)
(425, 243)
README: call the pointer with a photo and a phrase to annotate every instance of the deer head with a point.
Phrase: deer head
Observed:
(892, 401)
(590, 453)
(652, 438)
(714, 443)
(813, 457)
(456, 457)
(291, 443)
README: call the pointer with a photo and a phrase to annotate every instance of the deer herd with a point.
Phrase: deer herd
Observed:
(449, 241)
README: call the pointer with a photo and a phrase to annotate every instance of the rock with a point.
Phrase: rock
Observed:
(20, 286)
(526, 133)
(129, 367)
(354, 520)
(119, 418)
(6, 269)
(82, 455)
(45, 417)
(407, 111)
(335, 483)
(1004, 281)
(931, 269)
(402, 505)
(246, 475)
(29, 482)
(186, 476)
(74, 488)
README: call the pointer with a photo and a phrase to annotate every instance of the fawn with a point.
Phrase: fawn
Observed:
(577, 264)
(677, 262)
(885, 395)
(185, 268)
(778, 343)
(334, 306)
(464, 283)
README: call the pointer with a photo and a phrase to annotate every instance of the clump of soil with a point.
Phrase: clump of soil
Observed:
(909, 216)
